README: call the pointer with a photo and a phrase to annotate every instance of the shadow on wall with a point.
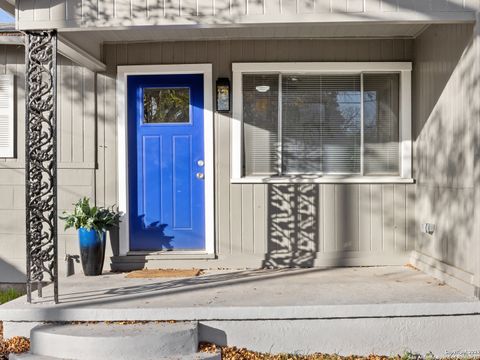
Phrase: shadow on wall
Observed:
(292, 239)
(10, 274)
(88, 12)
(330, 224)
(446, 134)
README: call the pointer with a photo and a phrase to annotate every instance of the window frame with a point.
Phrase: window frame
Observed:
(310, 68)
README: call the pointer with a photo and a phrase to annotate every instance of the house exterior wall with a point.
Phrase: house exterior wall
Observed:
(348, 224)
(446, 116)
(34, 14)
(76, 156)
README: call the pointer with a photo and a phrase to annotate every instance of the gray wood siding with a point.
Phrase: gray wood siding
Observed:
(76, 110)
(255, 224)
(275, 224)
(76, 114)
(446, 112)
(74, 13)
(76, 156)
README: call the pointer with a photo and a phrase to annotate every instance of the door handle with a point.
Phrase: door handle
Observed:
(200, 176)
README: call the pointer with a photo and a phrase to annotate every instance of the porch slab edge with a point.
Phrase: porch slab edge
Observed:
(28, 313)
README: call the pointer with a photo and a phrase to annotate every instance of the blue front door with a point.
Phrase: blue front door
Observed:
(166, 162)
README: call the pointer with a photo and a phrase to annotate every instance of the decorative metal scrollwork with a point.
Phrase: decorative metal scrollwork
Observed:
(41, 159)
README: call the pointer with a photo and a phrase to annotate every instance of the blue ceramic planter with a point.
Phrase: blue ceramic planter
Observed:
(92, 251)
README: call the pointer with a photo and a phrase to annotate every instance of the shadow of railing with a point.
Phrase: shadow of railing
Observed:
(109, 295)
(292, 235)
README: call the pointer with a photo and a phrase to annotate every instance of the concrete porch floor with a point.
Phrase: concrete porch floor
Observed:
(251, 294)
(382, 310)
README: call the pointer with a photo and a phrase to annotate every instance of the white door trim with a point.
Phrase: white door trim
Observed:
(122, 144)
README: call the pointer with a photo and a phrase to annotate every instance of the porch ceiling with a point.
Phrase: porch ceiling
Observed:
(8, 6)
(91, 41)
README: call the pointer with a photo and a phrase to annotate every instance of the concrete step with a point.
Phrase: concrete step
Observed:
(31, 357)
(91, 341)
(161, 260)
(127, 263)
(197, 356)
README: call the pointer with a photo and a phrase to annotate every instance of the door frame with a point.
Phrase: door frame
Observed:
(122, 146)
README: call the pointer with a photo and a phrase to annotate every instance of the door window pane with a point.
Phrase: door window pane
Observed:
(166, 105)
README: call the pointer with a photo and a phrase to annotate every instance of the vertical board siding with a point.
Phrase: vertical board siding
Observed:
(365, 218)
(376, 221)
(446, 112)
(260, 219)
(65, 103)
(76, 119)
(110, 12)
(329, 211)
(346, 217)
(326, 219)
(75, 113)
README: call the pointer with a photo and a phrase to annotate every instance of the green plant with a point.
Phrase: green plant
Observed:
(430, 356)
(8, 295)
(409, 355)
(90, 217)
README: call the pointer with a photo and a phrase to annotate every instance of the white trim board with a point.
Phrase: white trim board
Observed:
(404, 68)
(322, 67)
(79, 56)
(122, 142)
(464, 15)
(321, 180)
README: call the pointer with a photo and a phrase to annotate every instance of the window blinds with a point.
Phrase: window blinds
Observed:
(260, 124)
(6, 116)
(312, 124)
(321, 124)
(381, 124)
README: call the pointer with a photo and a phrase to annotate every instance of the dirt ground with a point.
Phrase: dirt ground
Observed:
(233, 353)
(15, 345)
(21, 344)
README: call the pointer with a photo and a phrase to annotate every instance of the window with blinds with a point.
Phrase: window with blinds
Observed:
(260, 124)
(312, 124)
(381, 124)
(7, 113)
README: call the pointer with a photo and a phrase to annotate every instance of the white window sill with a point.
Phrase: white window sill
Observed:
(314, 179)
(173, 255)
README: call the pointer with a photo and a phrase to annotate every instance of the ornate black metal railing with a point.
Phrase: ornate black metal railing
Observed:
(41, 159)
